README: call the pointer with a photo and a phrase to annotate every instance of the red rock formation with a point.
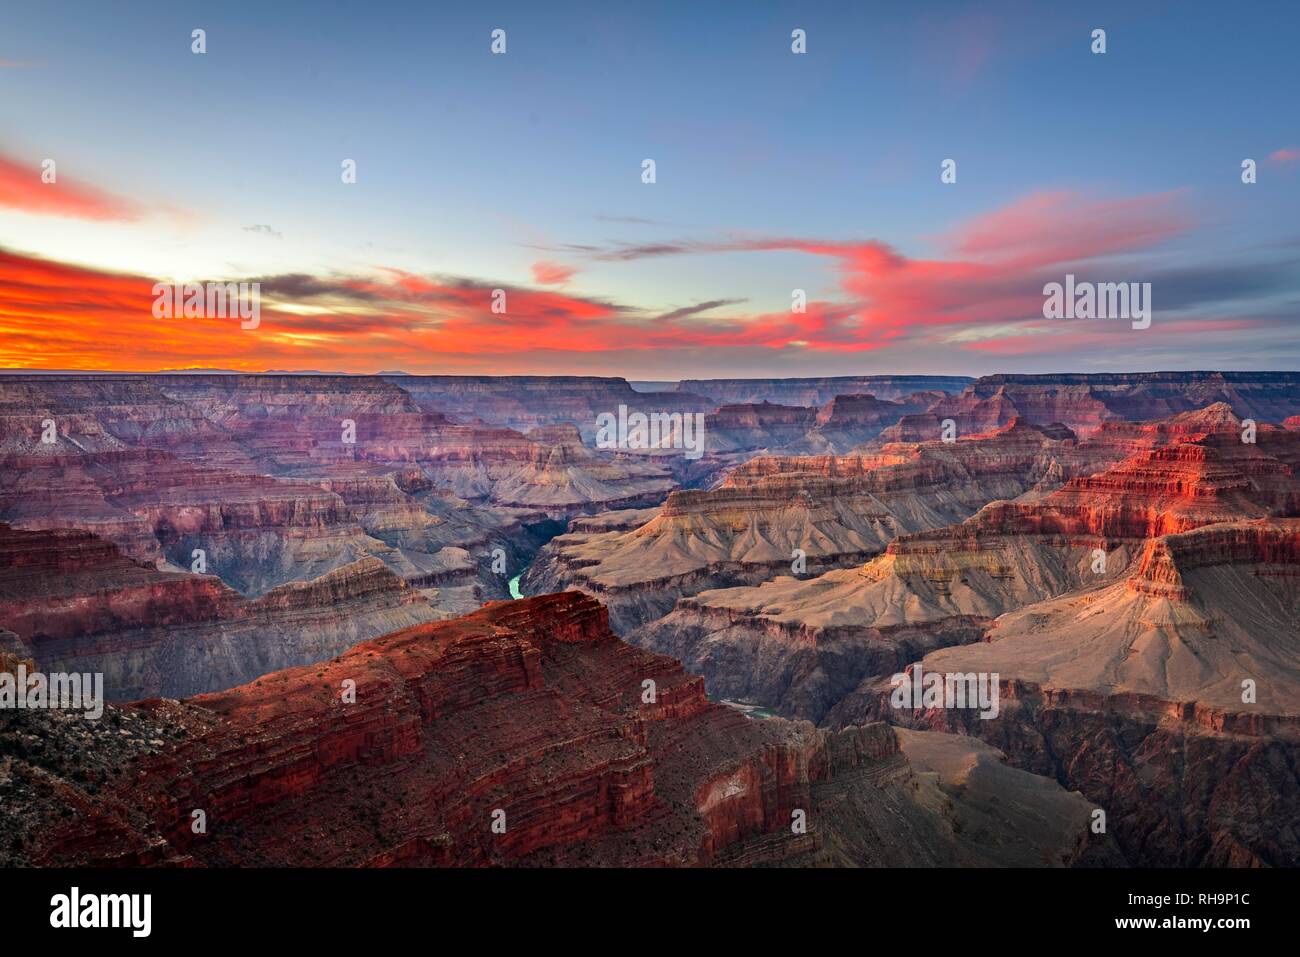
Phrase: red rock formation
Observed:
(1171, 697)
(817, 648)
(532, 709)
(753, 426)
(835, 509)
(1210, 476)
(76, 603)
(850, 420)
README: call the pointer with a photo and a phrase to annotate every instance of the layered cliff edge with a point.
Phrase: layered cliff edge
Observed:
(526, 733)
(825, 511)
(74, 602)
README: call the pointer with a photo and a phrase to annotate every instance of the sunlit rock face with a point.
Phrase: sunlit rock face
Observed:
(821, 511)
(1142, 619)
(524, 734)
(1119, 550)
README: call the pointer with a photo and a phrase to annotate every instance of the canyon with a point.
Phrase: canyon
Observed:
(229, 550)
(520, 735)
(772, 512)
(1122, 610)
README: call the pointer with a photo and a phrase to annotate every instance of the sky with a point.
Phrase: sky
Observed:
(775, 171)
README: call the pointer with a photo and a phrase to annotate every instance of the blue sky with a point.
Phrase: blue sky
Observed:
(474, 168)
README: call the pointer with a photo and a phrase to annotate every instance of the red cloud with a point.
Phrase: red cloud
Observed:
(58, 315)
(22, 188)
(552, 274)
(984, 295)
(1285, 156)
(1057, 227)
(991, 274)
(999, 263)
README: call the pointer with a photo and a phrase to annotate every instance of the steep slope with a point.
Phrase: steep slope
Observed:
(1171, 698)
(818, 648)
(74, 602)
(529, 714)
(834, 509)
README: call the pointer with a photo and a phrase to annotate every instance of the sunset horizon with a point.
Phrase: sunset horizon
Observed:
(922, 237)
(572, 442)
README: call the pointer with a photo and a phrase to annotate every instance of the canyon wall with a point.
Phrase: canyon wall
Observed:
(520, 735)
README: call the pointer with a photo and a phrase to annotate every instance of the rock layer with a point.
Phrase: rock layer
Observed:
(531, 715)
(75, 603)
(774, 511)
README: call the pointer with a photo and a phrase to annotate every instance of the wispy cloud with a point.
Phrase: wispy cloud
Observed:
(984, 289)
(552, 274)
(695, 310)
(980, 294)
(22, 189)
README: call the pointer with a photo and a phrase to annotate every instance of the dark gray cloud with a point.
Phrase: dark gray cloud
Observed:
(695, 310)
(264, 230)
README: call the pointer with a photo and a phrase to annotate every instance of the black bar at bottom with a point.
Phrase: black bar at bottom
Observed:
(644, 908)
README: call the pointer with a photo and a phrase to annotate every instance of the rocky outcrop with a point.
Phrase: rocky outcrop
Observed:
(1153, 728)
(774, 514)
(818, 647)
(520, 735)
(1170, 697)
(564, 478)
(1084, 401)
(1197, 614)
(848, 421)
(742, 428)
(76, 603)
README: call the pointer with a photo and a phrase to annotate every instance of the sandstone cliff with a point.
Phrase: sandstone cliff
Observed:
(531, 714)
(76, 603)
(836, 510)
